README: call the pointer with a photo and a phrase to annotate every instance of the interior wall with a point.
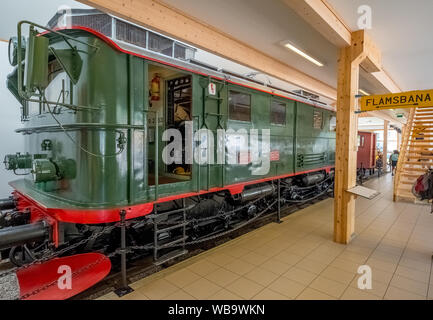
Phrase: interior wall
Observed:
(10, 141)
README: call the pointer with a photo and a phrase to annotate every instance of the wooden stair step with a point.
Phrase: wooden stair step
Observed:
(418, 155)
(425, 140)
(407, 174)
(420, 145)
(419, 163)
(416, 169)
(424, 109)
(405, 187)
(422, 114)
(407, 182)
(406, 195)
(423, 118)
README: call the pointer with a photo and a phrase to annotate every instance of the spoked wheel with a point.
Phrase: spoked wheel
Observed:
(21, 255)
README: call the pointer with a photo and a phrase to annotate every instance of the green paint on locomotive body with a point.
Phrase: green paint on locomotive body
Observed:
(117, 84)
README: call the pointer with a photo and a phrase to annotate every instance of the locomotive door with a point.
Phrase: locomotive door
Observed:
(211, 117)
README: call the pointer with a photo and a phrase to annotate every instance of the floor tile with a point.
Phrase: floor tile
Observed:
(224, 294)
(338, 275)
(182, 277)
(254, 258)
(275, 266)
(261, 276)
(287, 287)
(179, 295)
(358, 294)
(158, 289)
(237, 251)
(244, 288)
(268, 294)
(239, 267)
(288, 257)
(202, 288)
(311, 265)
(222, 277)
(300, 275)
(413, 274)
(311, 294)
(328, 286)
(220, 259)
(203, 267)
(413, 286)
(394, 293)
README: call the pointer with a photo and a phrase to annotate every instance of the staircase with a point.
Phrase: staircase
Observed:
(416, 152)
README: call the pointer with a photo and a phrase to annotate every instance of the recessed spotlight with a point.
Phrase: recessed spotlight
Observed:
(303, 54)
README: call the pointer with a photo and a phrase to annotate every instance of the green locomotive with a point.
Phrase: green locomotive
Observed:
(96, 107)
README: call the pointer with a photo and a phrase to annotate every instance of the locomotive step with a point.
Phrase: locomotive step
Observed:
(170, 256)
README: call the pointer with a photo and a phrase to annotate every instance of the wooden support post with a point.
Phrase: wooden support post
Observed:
(385, 145)
(361, 52)
(345, 159)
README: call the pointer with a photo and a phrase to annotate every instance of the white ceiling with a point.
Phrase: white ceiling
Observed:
(402, 30)
(38, 11)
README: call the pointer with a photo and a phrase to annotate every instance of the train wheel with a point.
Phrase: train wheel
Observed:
(21, 255)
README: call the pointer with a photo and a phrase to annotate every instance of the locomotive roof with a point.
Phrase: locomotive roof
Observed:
(203, 68)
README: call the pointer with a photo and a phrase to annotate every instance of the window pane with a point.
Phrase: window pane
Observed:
(278, 112)
(160, 44)
(239, 106)
(317, 119)
(131, 34)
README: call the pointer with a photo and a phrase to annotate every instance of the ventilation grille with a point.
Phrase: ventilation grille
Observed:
(99, 22)
(131, 34)
(160, 44)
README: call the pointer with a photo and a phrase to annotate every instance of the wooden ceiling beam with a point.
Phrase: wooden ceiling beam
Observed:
(161, 17)
(324, 19)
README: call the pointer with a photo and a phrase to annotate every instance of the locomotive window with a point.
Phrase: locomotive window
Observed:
(239, 106)
(160, 44)
(317, 119)
(278, 112)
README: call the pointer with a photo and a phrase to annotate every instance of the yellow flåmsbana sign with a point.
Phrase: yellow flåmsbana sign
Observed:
(410, 99)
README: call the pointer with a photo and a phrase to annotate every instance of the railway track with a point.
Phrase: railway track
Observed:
(144, 267)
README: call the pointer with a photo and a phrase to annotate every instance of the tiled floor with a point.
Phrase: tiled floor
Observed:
(297, 259)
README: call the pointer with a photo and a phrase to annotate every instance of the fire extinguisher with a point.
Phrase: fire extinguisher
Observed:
(155, 86)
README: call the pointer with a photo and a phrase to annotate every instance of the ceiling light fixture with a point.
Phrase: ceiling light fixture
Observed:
(303, 54)
(365, 93)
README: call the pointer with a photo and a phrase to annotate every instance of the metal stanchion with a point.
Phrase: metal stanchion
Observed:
(279, 202)
(125, 289)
